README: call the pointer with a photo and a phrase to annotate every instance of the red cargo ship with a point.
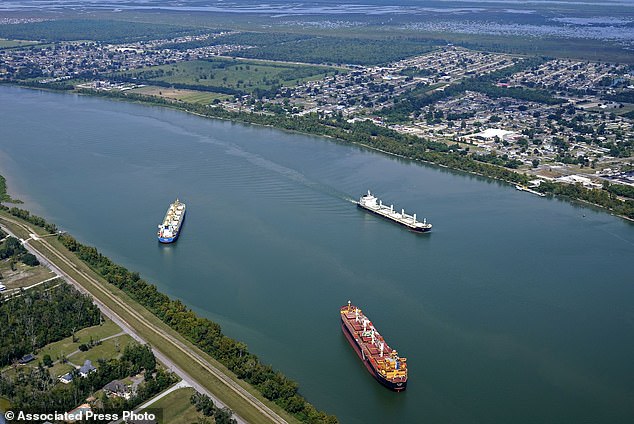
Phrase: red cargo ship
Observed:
(381, 360)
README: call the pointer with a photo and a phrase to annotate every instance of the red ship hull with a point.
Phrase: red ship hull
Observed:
(398, 384)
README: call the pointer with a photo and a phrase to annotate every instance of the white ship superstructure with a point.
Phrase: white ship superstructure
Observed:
(170, 228)
(374, 205)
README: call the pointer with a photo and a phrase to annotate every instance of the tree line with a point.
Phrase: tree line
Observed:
(606, 198)
(381, 138)
(204, 333)
(206, 406)
(33, 219)
(619, 189)
(340, 50)
(11, 248)
(4, 196)
(40, 316)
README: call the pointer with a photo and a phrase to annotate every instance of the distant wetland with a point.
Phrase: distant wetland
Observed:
(610, 21)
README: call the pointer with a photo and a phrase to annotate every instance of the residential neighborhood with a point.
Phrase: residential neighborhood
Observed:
(580, 133)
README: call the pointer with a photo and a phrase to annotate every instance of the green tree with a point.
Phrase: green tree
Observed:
(223, 416)
(47, 361)
(29, 259)
(203, 404)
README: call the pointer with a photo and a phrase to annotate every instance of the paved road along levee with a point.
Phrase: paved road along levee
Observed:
(49, 255)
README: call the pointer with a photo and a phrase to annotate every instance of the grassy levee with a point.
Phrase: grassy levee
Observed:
(17, 230)
(149, 327)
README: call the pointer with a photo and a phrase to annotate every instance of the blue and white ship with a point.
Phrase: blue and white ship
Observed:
(170, 228)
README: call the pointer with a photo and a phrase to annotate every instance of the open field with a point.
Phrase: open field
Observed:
(67, 346)
(627, 108)
(189, 96)
(228, 75)
(15, 43)
(209, 373)
(107, 349)
(24, 275)
(176, 407)
(58, 369)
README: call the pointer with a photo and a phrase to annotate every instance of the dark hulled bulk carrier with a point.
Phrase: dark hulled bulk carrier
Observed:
(380, 359)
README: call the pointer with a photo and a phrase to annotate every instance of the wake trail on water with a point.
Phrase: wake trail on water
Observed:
(261, 162)
(619, 237)
(288, 173)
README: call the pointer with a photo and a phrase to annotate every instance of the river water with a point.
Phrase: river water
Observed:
(514, 309)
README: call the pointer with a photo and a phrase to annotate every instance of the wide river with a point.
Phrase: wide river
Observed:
(515, 309)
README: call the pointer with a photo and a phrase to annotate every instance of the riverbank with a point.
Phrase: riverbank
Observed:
(4, 195)
(204, 352)
(380, 139)
(390, 142)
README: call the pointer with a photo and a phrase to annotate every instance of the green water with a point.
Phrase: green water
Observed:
(515, 309)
